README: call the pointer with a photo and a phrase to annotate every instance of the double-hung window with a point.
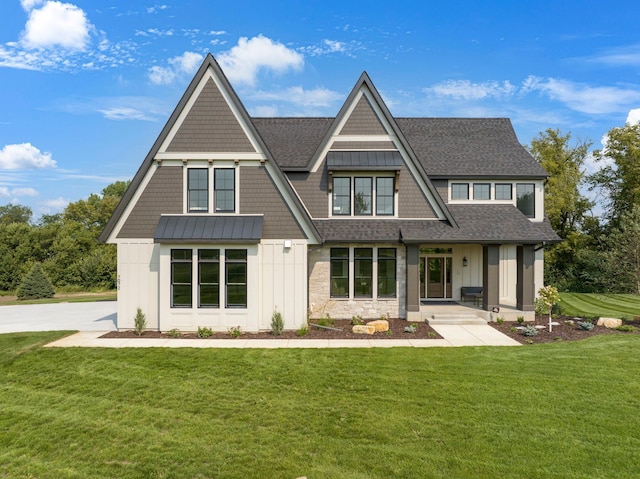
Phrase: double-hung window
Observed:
(384, 196)
(198, 189)
(363, 272)
(339, 272)
(225, 190)
(362, 196)
(181, 278)
(341, 196)
(386, 272)
(209, 278)
(236, 277)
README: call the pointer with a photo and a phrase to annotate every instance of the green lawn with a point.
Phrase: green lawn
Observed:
(8, 299)
(561, 410)
(624, 306)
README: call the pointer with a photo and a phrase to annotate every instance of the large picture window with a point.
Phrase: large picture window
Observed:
(209, 278)
(236, 277)
(225, 190)
(363, 272)
(339, 272)
(198, 189)
(362, 196)
(181, 267)
(386, 272)
(525, 199)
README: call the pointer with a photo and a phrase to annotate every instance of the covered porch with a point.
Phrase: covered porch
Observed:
(504, 277)
(447, 312)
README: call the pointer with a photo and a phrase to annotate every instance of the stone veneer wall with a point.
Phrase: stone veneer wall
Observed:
(321, 303)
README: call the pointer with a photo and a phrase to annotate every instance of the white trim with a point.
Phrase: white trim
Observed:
(210, 156)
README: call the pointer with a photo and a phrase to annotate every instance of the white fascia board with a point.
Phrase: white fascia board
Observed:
(209, 156)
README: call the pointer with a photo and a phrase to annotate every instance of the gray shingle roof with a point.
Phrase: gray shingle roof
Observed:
(209, 229)
(445, 147)
(478, 224)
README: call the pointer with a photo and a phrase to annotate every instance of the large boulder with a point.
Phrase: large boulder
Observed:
(381, 325)
(363, 329)
(610, 323)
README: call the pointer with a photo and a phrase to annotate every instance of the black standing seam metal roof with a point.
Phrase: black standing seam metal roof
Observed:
(368, 160)
(209, 229)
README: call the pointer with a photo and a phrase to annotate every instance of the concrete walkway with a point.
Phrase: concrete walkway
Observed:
(471, 335)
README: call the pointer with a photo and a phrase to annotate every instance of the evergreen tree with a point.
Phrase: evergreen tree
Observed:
(35, 284)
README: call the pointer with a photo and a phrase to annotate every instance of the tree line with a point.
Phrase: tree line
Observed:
(600, 252)
(65, 244)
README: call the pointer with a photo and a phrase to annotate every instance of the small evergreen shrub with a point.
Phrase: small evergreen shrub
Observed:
(529, 331)
(277, 324)
(139, 322)
(35, 284)
(585, 325)
(204, 332)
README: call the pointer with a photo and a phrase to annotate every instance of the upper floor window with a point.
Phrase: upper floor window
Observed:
(482, 191)
(460, 191)
(525, 199)
(225, 190)
(198, 189)
(504, 191)
(369, 196)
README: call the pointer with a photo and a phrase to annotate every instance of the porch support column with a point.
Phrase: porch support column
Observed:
(490, 276)
(525, 286)
(413, 283)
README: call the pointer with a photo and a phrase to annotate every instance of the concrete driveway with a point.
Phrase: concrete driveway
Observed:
(95, 316)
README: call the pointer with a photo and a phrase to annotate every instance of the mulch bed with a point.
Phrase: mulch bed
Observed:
(565, 331)
(396, 328)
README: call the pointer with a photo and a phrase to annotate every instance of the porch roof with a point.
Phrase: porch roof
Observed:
(208, 229)
(367, 160)
(477, 224)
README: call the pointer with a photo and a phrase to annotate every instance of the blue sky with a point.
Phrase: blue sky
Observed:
(86, 86)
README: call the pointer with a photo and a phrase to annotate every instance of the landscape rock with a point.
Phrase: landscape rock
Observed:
(610, 323)
(381, 325)
(363, 329)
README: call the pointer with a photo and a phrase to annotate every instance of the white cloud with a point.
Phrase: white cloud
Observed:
(622, 56)
(24, 156)
(187, 63)
(24, 192)
(318, 97)
(244, 61)
(265, 111)
(155, 8)
(4, 192)
(467, 90)
(55, 205)
(29, 4)
(57, 24)
(217, 32)
(582, 97)
(125, 113)
(326, 47)
(633, 117)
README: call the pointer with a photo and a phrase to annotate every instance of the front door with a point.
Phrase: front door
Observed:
(435, 277)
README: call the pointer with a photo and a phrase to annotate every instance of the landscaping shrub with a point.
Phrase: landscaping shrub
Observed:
(304, 329)
(139, 322)
(204, 332)
(277, 324)
(585, 325)
(529, 331)
(35, 284)
(411, 328)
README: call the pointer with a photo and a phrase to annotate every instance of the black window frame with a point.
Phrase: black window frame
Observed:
(191, 191)
(339, 256)
(365, 195)
(203, 264)
(177, 261)
(335, 195)
(363, 279)
(482, 186)
(219, 190)
(500, 196)
(236, 287)
(379, 195)
(387, 257)
(453, 191)
(529, 208)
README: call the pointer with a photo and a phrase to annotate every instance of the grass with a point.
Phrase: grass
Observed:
(535, 411)
(7, 299)
(624, 306)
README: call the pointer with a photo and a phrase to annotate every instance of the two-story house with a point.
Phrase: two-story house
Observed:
(232, 217)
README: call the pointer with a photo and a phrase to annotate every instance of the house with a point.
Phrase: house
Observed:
(230, 217)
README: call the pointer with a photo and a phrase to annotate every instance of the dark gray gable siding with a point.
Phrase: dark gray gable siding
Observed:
(468, 147)
(312, 189)
(259, 195)
(363, 120)
(442, 187)
(210, 126)
(412, 203)
(163, 195)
